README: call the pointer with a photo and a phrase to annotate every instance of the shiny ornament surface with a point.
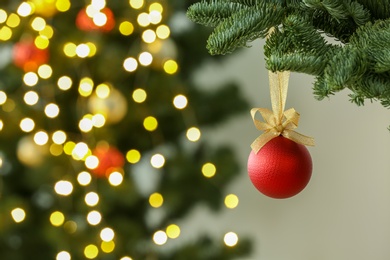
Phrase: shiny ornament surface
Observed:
(110, 159)
(28, 57)
(101, 21)
(281, 169)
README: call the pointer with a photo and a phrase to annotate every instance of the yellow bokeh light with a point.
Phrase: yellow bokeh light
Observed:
(98, 4)
(63, 255)
(136, 4)
(173, 231)
(133, 156)
(126, 28)
(55, 149)
(52, 110)
(102, 91)
(63, 188)
(91, 162)
(86, 124)
(107, 246)
(68, 147)
(70, 49)
(9, 105)
(18, 215)
(45, 71)
(31, 98)
(41, 138)
(92, 49)
(57, 218)
(160, 238)
(150, 123)
(24, 9)
(70, 226)
(231, 201)
(170, 66)
(230, 239)
(193, 134)
(84, 178)
(38, 23)
(27, 124)
(155, 17)
(5, 33)
(126, 258)
(63, 5)
(156, 7)
(59, 137)
(30, 79)
(157, 161)
(139, 95)
(1, 126)
(100, 19)
(91, 251)
(80, 151)
(94, 217)
(42, 42)
(91, 199)
(115, 178)
(3, 97)
(163, 31)
(3, 16)
(148, 36)
(156, 200)
(130, 64)
(98, 120)
(107, 234)
(143, 19)
(86, 87)
(47, 32)
(64, 83)
(82, 50)
(13, 20)
(209, 170)
(145, 58)
(180, 101)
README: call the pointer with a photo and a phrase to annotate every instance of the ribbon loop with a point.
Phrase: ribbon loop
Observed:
(278, 122)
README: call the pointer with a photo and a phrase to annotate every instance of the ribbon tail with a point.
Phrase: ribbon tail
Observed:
(260, 141)
(298, 138)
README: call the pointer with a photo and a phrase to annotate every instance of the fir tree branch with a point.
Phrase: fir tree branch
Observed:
(243, 26)
(380, 9)
(213, 12)
(298, 46)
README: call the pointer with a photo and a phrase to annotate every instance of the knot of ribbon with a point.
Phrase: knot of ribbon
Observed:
(278, 122)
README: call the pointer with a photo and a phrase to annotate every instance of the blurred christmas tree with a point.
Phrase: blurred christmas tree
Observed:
(101, 155)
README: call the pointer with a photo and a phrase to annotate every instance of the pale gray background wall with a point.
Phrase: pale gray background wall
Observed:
(344, 213)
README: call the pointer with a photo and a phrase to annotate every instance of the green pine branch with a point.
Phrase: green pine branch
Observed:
(360, 62)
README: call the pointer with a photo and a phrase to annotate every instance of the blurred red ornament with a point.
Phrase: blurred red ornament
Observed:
(28, 57)
(110, 158)
(281, 169)
(102, 20)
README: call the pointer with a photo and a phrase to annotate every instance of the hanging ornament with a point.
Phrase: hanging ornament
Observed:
(28, 57)
(279, 164)
(46, 8)
(110, 159)
(102, 20)
(113, 107)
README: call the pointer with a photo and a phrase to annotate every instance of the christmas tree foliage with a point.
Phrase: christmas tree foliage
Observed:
(101, 150)
(361, 62)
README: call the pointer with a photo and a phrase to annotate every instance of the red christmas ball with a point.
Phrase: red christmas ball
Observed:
(86, 23)
(281, 169)
(28, 57)
(110, 158)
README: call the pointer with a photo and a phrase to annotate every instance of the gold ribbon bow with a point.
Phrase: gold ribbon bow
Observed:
(278, 122)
